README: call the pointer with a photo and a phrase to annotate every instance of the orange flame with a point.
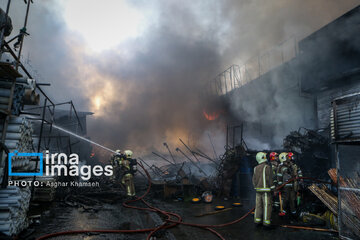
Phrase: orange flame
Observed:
(211, 116)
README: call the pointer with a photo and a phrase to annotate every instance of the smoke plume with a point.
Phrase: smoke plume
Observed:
(150, 90)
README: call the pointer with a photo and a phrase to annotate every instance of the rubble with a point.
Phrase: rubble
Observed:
(312, 151)
(350, 204)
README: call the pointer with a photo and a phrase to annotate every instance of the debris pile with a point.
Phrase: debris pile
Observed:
(228, 170)
(303, 140)
(311, 149)
(350, 201)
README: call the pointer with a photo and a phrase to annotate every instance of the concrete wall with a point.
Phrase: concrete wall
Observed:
(272, 106)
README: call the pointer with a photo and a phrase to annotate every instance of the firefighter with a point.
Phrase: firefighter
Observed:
(263, 184)
(274, 161)
(296, 173)
(295, 168)
(115, 162)
(284, 174)
(128, 172)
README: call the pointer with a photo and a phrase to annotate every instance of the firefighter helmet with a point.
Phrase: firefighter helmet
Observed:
(261, 157)
(283, 157)
(273, 156)
(290, 156)
(128, 153)
(118, 151)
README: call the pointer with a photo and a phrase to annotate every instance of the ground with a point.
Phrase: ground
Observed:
(112, 215)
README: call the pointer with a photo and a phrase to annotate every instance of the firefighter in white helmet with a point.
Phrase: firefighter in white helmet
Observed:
(263, 184)
(284, 174)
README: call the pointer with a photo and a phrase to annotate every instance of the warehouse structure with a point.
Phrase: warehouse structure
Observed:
(300, 94)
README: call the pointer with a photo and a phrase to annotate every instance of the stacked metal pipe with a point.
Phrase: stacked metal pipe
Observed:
(18, 137)
(14, 204)
(46, 193)
(18, 96)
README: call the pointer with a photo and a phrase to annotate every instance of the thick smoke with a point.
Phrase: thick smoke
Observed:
(150, 89)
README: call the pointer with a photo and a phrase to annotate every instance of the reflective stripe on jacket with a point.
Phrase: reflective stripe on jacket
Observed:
(262, 178)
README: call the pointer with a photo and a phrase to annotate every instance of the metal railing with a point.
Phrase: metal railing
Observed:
(236, 76)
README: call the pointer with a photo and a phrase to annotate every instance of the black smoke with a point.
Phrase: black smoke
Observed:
(150, 90)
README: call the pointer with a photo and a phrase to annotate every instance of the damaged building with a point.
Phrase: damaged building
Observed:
(289, 106)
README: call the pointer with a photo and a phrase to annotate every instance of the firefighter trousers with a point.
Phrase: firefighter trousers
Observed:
(289, 198)
(128, 181)
(263, 208)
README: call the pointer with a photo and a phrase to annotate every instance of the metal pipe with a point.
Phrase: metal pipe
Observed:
(189, 150)
(5, 92)
(206, 158)
(199, 151)
(179, 150)
(156, 173)
(215, 154)
(39, 143)
(52, 105)
(5, 125)
(167, 146)
(4, 100)
(163, 158)
(3, 30)
(338, 186)
(72, 105)
(25, 70)
(24, 28)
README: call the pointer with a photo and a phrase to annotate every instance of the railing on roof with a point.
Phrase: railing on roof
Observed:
(236, 76)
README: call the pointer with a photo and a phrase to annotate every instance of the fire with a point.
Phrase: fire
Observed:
(211, 116)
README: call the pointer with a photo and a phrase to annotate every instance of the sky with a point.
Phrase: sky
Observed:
(141, 66)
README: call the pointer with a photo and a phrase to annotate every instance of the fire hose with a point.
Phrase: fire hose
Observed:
(169, 222)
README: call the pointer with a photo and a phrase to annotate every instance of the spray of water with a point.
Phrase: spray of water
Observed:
(82, 138)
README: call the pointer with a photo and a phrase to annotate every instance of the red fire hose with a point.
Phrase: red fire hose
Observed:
(169, 222)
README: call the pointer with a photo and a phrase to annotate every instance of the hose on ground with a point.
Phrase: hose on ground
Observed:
(169, 222)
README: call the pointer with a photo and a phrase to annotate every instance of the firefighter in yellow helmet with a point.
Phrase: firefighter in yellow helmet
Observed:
(124, 169)
(284, 174)
(128, 168)
(115, 162)
(263, 184)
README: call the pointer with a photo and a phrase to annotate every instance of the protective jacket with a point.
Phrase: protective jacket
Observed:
(285, 173)
(263, 184)
(296, 172)
(262, 178)
(274, 167)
